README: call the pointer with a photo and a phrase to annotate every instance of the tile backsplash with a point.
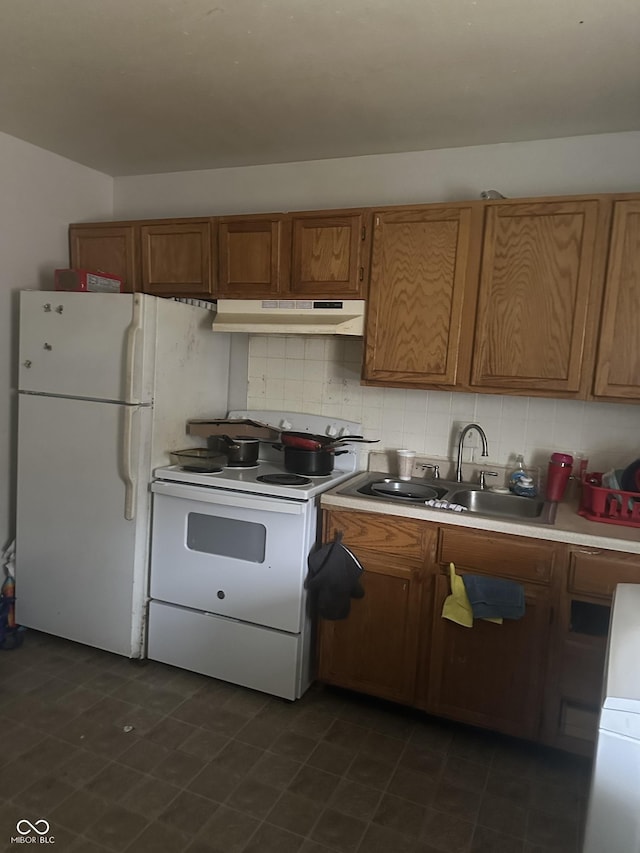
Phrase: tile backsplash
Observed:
(321, 375)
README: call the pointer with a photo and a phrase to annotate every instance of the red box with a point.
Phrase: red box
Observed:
(87, 281)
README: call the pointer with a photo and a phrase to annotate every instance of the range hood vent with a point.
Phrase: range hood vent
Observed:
(291, 316)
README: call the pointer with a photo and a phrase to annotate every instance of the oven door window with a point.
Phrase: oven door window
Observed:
(226, 537)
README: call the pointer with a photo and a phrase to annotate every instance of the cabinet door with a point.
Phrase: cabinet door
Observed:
(574, 695)
(176, 258)
(253, 256)
(374, 650)
(490, 675)
(108, 248)
(329, 256)
(618, 364)
(534, 294)
(420, 278)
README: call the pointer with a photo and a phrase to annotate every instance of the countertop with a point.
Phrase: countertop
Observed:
(569, 527)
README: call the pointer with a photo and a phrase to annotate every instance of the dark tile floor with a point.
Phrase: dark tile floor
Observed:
(124, 756)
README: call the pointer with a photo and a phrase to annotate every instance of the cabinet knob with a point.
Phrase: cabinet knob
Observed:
(46, 307)
(59, 309)
(47, 346)
(27, 363)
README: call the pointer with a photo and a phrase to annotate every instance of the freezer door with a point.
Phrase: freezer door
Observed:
(81, 566)
(89, 345)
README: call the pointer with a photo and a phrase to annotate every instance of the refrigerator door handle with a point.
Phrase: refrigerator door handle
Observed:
(133, 332)
(127, 466)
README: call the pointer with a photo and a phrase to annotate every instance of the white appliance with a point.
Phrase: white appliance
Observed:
(228, 561)
(107, 383)
(291, 316)
(613, 817)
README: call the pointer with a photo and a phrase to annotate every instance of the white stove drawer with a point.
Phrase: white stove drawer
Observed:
(254, 657)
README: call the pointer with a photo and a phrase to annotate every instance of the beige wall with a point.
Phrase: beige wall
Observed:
(602, 163)
(40, 193)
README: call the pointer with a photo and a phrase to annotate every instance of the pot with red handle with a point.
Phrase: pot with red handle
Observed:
(313, 463)
(308, 441)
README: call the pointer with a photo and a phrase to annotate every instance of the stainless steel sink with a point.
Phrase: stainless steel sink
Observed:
(491, 503)
(382, 487)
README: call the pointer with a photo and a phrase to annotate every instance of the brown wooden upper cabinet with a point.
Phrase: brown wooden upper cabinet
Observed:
(422, 295)
(329, 255)
(253, 256)
(618, 364)
(110, 248)
(318, 255)
(532, 329)
(176, 259)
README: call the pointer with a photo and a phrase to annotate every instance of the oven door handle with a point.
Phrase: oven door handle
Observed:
(226, 498)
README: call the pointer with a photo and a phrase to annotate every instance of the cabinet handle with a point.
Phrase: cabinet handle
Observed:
(363, 235)
(590, 553)
(361, 273)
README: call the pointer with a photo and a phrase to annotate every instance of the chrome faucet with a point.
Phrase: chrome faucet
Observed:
(463, 435)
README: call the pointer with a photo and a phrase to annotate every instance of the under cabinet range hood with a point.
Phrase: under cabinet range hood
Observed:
(291, 316)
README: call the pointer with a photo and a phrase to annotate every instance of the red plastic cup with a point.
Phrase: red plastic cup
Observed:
(558, 473)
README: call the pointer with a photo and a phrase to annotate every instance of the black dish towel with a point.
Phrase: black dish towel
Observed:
(333, 579)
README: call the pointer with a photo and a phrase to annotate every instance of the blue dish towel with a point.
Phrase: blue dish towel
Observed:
(492, 598)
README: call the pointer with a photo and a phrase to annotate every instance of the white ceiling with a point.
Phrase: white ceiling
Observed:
(144, 86)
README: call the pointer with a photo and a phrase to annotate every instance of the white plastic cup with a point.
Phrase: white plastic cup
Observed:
(406, 459)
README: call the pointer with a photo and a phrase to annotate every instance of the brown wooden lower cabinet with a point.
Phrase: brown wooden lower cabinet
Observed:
(539, 677)
(374, 650)
(490, 675)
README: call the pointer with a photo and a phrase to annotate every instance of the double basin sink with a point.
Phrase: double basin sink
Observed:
(475, 500)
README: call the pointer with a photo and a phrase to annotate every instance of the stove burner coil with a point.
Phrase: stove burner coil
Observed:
(241, 466)
(284, 479)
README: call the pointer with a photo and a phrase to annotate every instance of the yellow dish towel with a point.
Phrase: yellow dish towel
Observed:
(457, 607)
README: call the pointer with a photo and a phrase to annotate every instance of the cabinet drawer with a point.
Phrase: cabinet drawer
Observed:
(389, 534)
(497, 554)
(598, 572)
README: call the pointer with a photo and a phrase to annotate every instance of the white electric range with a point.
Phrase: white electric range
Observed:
(228, 562)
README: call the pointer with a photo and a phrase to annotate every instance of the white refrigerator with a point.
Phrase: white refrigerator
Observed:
(106, 385)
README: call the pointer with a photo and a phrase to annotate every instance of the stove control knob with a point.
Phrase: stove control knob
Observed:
(220, 593)
(331, 430)
(284, 424)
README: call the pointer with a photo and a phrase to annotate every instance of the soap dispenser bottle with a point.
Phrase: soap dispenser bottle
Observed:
(520, 481)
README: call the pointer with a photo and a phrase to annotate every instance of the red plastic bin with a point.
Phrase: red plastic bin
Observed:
(611, 506)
